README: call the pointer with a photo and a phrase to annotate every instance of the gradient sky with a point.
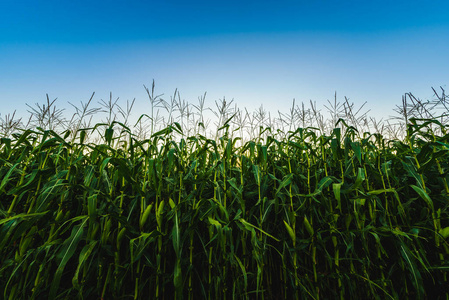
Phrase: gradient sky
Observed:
(255, 52)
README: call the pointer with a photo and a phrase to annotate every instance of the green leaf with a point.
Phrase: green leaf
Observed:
(242, 267)
(359, 180)
(324, 183)
(108, 135)
(357, 150)
(444, 232)
(249, 225)
(141, 244)
(176, 237)
(82, 136)
(8, 174)
(256, 174)
(214, 222)
(337, 193)
(23, 216)
(423, 195)
(285, 181)
(67, 251)
(82, 259)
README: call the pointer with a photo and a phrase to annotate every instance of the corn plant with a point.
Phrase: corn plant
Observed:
(290, 213)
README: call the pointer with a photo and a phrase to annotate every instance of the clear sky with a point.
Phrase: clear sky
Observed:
(255, 52)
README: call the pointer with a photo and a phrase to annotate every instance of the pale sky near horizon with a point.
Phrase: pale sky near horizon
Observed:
(255, 52)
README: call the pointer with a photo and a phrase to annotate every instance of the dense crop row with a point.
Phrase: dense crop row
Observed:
(333, 216)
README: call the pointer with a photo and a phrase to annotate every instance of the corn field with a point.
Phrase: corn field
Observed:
(294, 214)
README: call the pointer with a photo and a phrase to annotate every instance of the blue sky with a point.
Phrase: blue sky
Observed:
(255, 52)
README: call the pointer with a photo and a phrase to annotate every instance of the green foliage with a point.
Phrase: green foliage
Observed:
(304, 216)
